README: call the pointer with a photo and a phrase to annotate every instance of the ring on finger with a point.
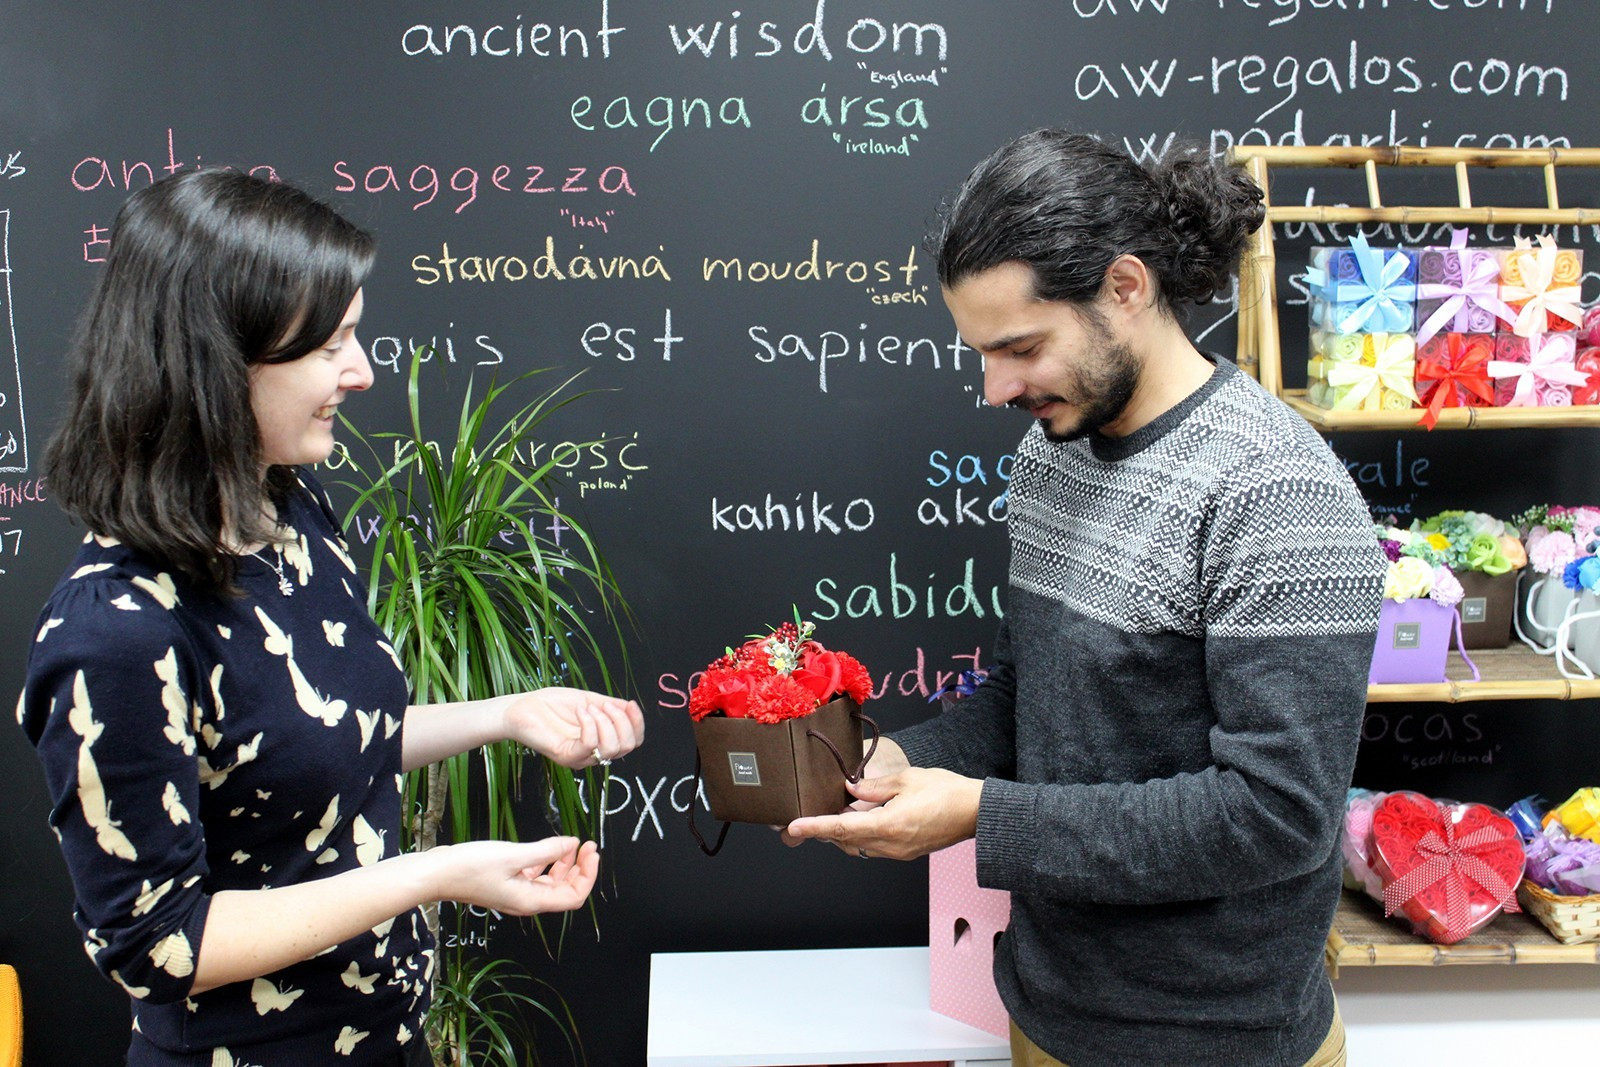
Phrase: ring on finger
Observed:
(863, 853)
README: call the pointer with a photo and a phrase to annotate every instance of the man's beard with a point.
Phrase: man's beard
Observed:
(1100, 397)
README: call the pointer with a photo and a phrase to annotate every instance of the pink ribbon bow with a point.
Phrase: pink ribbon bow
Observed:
(1452, 858)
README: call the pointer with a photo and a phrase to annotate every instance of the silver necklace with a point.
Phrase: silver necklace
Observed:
(285, 586)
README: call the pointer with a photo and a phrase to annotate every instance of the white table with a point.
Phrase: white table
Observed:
(806, 1006)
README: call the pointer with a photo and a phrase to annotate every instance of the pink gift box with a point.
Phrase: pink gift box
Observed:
(964, 922)
(1551, 376)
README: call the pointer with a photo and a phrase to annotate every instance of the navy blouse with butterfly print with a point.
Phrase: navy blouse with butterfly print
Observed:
(194, 744)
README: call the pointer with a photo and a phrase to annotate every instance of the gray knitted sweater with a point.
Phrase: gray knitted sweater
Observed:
(1169, 731)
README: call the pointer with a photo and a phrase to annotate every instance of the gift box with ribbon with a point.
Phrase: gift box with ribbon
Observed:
(1589, 329)
(1448, 868)
(1362, 372)
(1541, 284)
(1361, 289)
(1587, 363)
(1537, 371)
(1458, 290)
(1453, 371)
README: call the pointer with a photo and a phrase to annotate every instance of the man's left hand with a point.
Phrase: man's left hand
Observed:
(919, 810)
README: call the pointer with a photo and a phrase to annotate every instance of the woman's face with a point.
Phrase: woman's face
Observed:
(295, 402)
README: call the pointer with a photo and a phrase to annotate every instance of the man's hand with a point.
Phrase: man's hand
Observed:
(911, 813)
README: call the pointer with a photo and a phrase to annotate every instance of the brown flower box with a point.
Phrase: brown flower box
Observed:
(771, 773)
(1486, 608)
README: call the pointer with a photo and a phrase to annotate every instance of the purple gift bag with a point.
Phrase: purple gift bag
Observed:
(1414, 642)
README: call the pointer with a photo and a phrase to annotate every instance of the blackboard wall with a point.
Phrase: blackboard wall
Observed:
(793, 425)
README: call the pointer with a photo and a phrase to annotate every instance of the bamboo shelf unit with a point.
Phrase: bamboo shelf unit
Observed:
(1260, 344)
(1362, 937)
(1514, 673)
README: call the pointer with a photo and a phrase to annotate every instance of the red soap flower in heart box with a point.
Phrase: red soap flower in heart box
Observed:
(1449, 868)
(778, 727)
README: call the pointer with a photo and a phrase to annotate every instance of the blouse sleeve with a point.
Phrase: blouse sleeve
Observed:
(112, 703)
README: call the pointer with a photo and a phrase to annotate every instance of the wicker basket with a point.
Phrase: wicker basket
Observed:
(1573, 920)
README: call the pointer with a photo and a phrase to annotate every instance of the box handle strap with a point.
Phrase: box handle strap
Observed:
(1461, 645)
(861, 768)
(710, 850)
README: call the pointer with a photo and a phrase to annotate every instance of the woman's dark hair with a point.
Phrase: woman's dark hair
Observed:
(1067, 205)
(209, 271)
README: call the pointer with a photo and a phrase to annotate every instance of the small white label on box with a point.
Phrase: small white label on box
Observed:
(1407, 635)
(1474, 609)
(745, 769)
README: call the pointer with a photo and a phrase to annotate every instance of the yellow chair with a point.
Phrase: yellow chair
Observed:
(10, 1017)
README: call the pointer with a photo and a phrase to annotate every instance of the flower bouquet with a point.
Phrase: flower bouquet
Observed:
(1552, 535)
(1419, 614)
(778, 728)
(1485, 555)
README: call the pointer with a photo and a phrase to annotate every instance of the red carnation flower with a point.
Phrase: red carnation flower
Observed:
(780, 697)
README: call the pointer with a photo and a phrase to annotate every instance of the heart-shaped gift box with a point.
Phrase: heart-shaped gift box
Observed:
(1449, 868)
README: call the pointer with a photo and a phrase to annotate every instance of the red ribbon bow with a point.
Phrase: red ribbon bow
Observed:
(1448, 379)
(1452, 859)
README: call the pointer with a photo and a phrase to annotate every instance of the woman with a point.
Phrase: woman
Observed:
(222, 725)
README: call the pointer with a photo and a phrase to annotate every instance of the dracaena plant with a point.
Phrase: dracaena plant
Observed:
(478, 601)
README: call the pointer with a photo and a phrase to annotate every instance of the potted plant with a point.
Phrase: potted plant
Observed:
(478, 601)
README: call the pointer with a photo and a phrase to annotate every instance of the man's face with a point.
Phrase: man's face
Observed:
(1062, 366)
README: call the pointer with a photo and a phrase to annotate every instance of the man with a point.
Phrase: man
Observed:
(1156, 767)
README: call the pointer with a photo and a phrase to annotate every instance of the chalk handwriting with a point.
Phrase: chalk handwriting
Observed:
(601, 339)
(875, 113)
(894, 79)
(395, 353)
(871, 146)
(658, 113)
(423, 181)
(898, 599)
(537, 39)
(802, 516)
(1283, 11)
(866, 36)
(574, 264)
(1352, 69)
(17, 494)
(600, 221)
(1293, 132)
(619, 455)
(13, 168)
(13, 417)
(812, 268)
(94, 172)
(832, 346)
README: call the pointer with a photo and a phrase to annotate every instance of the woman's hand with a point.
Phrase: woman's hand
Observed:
(516, 878)
(574, 727)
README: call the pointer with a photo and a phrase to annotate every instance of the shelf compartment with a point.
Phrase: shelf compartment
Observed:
(1449, 418)
(1260, 347)
(1515, 673)
(1362, 937)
